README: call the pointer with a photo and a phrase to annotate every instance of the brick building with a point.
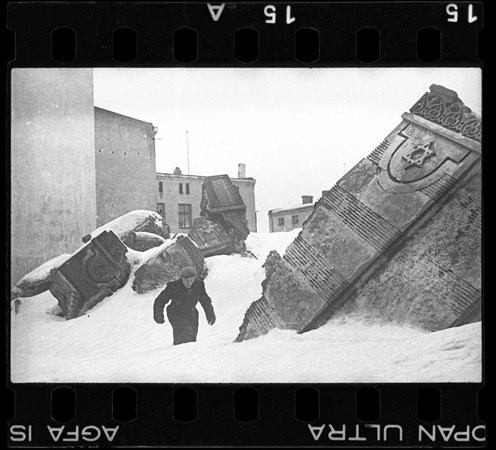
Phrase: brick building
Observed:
(178, 198)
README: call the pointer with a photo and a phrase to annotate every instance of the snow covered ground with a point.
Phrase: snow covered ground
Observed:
(118, 341)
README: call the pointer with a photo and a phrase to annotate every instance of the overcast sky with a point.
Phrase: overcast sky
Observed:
(297, 130)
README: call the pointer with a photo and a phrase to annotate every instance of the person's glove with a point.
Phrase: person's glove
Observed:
(211, 320)
(159, 320)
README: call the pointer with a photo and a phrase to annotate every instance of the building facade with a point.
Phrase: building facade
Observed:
(178, 198)
(287, 219)
(125, 165)
(53, 202)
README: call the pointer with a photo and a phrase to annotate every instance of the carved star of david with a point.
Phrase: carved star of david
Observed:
(419, 155)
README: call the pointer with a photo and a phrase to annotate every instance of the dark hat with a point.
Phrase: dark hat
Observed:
(188, 272)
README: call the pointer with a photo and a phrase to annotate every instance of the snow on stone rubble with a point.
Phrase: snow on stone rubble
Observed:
(117, 341)
(128, 222)
(42, 272)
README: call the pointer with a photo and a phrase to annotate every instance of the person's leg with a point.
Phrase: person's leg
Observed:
(177, 329)
(191, 326)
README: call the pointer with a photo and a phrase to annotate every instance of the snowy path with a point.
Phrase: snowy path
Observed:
(119, 342)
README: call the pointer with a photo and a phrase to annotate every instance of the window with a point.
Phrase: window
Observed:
(184, 215)
(180, 188)
(187, 188)
(295, 220)
(161, 209)
(161, 187)
(280, 221)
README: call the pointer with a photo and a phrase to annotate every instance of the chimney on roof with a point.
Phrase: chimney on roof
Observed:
(307, 199)
(241, 170)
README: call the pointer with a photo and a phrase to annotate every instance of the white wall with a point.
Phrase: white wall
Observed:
(52, 164)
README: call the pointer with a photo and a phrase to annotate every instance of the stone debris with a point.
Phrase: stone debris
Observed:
(134, 221)
(39, 279)
(211, 238)
(167, 264)
(397, 238)
(142, 240)
(222, 204)
(94, 272)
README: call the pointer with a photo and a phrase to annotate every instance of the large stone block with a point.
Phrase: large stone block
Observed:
(166, 265)
(397, 238)
(92, 273)
(222, 204)
(211, 238)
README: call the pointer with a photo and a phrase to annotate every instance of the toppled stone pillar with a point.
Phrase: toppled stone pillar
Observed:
(92, 273)
(167, 264)
(222, 204)
(398, 237)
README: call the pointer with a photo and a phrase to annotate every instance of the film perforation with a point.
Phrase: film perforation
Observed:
(185, 404)
(64, 44)
(429, 44)
(63, 404)
(186, 45)
(307, 404)
(246, 45)
(307, 45)
(124, 44)
(368, 404)
(428, 404)
(124, 401)
(368, 44)
(246, 404)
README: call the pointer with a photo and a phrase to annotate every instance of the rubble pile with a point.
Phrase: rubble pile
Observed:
(97, 269)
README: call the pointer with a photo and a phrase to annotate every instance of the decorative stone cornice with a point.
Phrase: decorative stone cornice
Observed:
(442, 106)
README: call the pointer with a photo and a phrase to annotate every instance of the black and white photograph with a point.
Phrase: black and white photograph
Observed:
(245, 225)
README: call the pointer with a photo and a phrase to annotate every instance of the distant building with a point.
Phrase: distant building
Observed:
(287, 219)
(179, 196)
(125, 165)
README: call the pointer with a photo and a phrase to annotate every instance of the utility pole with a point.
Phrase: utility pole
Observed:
(187, 148)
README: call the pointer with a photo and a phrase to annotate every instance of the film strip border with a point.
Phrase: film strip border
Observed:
(326, 34)
(170, 415)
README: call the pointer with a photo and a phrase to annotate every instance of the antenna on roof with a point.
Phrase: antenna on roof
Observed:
(187, 148)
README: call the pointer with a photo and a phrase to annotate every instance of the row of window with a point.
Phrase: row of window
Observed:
(295, 220)
(184, 214)
(183, 188)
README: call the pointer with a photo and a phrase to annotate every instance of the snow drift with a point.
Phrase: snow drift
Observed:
(118, 341)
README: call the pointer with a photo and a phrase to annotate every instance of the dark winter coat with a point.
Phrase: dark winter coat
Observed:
(182, 310)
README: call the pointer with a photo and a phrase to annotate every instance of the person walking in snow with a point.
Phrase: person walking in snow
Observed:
(184, 294)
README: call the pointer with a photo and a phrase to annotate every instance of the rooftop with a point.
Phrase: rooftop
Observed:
(293, 208)
(197, 177)
(121, 115)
